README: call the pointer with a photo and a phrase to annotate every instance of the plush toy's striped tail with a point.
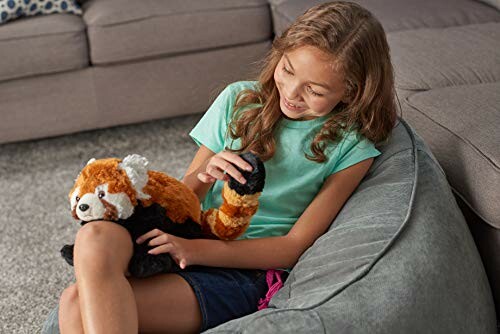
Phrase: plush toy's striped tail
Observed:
(233, 217)
(240, 202)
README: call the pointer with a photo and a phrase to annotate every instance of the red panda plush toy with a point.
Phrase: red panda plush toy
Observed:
(126, 192)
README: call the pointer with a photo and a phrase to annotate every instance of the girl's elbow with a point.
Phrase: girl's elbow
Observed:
(296, 248)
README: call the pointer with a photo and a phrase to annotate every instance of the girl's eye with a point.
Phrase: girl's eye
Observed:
(77, 198)
(308, 87)
(286, 71)
(313, 92)
(101, 194)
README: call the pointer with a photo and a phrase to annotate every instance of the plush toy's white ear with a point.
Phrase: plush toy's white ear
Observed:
(90, 161)
(136, 168)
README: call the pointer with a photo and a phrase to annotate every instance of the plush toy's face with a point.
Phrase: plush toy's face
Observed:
(108, 189)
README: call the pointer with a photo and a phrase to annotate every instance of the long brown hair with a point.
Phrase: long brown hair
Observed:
(357, 40)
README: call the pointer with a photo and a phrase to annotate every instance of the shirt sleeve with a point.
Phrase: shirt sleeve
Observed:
(211, 128)
(353, 149)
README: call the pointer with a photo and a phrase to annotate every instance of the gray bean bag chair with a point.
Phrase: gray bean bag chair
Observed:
(398, 258)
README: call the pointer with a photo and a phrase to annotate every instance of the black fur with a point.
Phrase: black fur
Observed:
(142, 221)
(255, 178)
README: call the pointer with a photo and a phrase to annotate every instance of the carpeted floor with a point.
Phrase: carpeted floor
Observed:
(35, 178)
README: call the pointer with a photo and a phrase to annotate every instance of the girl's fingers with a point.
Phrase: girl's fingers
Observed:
(236, 160)
(215, 170)
(150, 234)
(206, 178)
(159, 240)
(229, 168)
(164, 248)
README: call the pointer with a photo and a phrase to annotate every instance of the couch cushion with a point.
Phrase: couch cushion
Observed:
(432, 58)
(397, 14)
(398, 258)
(59, 41)
(122, 30)
(449, 120)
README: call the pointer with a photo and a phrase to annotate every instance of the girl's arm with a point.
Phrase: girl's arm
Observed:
(198, 165)
(271, 252)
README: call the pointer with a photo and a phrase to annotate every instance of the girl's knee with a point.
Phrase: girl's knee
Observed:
(104, 244)
(101, 237)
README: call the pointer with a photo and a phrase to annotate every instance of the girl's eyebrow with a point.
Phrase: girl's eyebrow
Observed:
(324, 85)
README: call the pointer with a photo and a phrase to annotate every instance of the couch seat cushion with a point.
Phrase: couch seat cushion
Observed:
(121, 30)
(433, 58)
(449, 120)
(398, 15)
(41, 45)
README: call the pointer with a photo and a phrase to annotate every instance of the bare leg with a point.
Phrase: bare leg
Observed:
(163, 303)
(107, 303)
(70, 320)
(166, 304)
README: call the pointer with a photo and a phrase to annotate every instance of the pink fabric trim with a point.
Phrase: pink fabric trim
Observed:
(273, 287)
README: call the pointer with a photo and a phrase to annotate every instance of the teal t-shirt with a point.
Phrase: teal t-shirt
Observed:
(292, 181)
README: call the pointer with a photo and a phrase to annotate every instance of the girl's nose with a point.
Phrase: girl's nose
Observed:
(292, 92)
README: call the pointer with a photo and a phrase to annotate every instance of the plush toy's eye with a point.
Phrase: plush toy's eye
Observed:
(101, 194)
(77, 198)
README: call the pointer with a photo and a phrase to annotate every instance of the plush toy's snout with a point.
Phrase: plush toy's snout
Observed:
(89, 207)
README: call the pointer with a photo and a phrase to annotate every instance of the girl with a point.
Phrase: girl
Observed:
(325, 95)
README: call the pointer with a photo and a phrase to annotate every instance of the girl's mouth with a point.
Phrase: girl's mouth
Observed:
(291, 107)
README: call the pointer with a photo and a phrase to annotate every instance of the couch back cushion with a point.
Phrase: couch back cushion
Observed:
(124, 30)
(398, 15)
(41, 45)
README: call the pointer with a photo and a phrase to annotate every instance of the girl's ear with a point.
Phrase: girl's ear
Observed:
(346, 99)
(348, 94)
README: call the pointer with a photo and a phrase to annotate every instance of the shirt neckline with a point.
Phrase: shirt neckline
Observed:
(290, 123)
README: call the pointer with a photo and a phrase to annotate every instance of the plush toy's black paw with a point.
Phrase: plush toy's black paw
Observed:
(255, 178)
(145, 265)
(67, 253)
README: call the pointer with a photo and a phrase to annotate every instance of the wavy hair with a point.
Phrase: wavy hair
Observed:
(357, 41)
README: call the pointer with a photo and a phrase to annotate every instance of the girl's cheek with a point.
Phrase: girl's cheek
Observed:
(277, 77)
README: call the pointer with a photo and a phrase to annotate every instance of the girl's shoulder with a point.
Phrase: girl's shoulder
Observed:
(238, 86)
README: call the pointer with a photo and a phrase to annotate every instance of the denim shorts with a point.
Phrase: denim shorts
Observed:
(224, 293)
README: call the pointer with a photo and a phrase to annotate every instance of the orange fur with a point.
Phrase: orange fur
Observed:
(181, 203)
(178, 199)
(106, 171)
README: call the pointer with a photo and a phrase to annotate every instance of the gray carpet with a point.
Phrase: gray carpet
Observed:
(35, 178)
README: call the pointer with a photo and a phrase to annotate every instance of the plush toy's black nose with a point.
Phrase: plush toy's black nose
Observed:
(83, 207)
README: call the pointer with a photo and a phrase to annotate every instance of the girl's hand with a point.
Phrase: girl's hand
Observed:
(221, 164)
(179, 249)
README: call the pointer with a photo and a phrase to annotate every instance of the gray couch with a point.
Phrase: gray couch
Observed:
(406, 261)
(124, 61)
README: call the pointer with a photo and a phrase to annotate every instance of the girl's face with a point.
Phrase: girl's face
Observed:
(308, 84)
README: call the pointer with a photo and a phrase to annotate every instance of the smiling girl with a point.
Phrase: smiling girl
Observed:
(324, 98)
